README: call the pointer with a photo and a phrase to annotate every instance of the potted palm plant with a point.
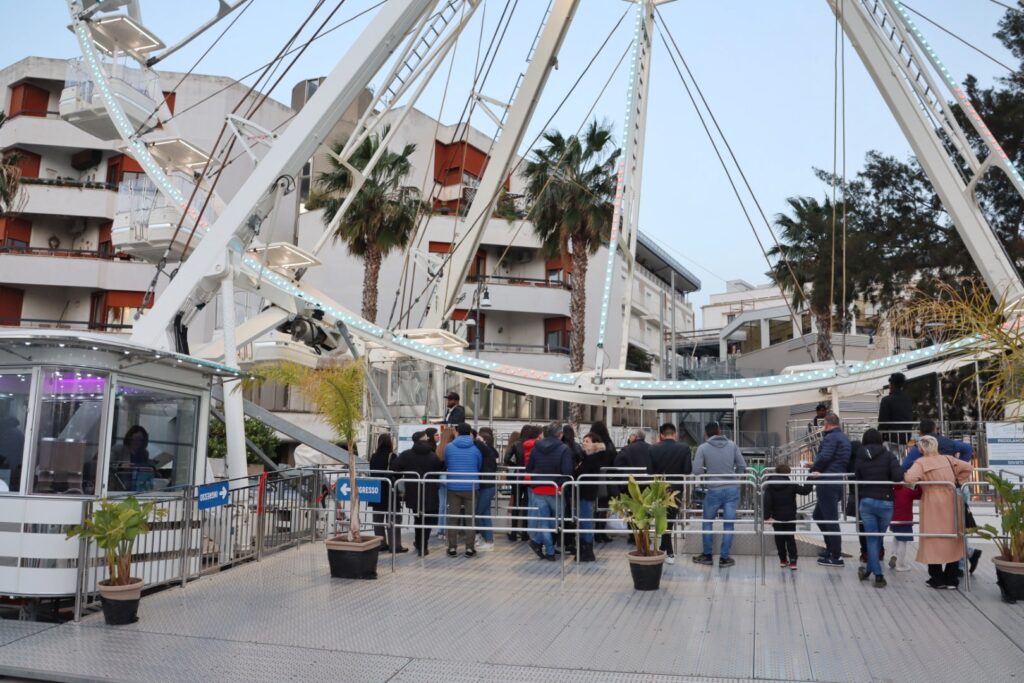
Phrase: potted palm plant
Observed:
(1009, 541)
(645, 511)
(336, 393)
(114, 527)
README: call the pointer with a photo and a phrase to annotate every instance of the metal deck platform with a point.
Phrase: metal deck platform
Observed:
(505, 615)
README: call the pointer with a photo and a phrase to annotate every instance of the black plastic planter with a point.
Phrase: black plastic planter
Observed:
(353, 560)
(1010, 585)
(646, 571)
(120, 612)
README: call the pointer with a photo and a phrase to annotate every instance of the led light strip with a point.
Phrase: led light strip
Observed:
(965, 103)
(620, 185)
(120, 121)
(356, 323)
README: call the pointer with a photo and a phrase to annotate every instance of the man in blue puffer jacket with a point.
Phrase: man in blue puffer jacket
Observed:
(462, 461)
(829, 467)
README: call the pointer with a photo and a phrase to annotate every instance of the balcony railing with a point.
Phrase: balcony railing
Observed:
(105, 254)
(49, 324)
(521, 348)
(517, 281)
(69, 182)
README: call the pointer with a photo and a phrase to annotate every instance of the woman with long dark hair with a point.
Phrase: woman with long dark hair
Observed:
(380, 464)
(603, 459)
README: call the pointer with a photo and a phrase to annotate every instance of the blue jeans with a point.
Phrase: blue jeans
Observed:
(544, 506)
(484, 496)
(442, 507)
(586, 511)
(875, 514)
(720, 498)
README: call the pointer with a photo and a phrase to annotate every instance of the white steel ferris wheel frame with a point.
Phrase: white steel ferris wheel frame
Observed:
(221, 255)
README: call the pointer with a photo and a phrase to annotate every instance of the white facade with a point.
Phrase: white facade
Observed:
(57, 260)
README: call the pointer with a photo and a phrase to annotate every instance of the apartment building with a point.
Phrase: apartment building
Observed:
(63, 261)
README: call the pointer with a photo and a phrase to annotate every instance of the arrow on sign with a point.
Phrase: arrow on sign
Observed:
(224, 492)
(345, 490)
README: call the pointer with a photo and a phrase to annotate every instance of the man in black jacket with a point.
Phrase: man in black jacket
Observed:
(670, 458)
(456, 414)
(637, 454)
(895, 412)
(876, 500)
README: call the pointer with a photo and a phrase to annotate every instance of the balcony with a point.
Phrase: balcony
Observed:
(64, 253)
(521, 295)
(532, 356)
(64, 197)
(47, 324)
(46, 129)
(44, 267)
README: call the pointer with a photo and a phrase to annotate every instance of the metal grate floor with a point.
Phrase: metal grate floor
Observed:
(505, 615)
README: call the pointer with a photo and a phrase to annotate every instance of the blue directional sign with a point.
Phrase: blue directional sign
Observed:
(213, 495)
(369, 490)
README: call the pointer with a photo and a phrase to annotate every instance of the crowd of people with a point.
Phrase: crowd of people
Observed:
(879, 489)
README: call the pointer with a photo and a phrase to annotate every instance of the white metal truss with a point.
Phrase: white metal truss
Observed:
(542, 60)
(250, 135)
(393, 23)
(423, 54)
(294, 147)
(893, 50)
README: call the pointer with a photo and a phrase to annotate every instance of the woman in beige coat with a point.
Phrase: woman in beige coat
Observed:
(938, 505)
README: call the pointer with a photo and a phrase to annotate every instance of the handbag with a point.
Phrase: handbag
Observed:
(969, 521)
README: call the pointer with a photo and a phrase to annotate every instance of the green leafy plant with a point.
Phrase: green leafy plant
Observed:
(336, 392)
(1009, 500)
(260, 434)
(114, 527)
(645, 510)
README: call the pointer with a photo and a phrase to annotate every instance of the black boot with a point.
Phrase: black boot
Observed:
(587, 552)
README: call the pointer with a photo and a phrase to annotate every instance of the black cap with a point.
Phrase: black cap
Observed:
(452, 396)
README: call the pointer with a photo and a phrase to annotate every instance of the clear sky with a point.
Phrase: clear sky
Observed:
(766, 68)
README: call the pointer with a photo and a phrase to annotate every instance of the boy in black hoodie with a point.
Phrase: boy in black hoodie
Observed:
(780, 511)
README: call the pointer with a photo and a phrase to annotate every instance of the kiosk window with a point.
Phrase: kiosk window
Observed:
(14, 391)
(154, 438)
(67, 449)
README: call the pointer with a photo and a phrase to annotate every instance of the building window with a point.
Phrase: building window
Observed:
(153, 442)
(11, 301)
(67, 448)
(15, 233)
(115, 310)
(122, 168)
(28, 163)
(556, 334)
(14, 393)
(28, 100)
(555, 276)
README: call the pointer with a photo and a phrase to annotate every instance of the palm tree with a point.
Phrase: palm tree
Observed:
(381, 217)
(570, 183)
(804, 269)
(10, 179)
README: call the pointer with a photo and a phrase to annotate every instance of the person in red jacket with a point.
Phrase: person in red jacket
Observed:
(902, 524)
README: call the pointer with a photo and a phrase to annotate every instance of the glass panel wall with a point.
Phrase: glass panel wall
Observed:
(14, 393)
(70, 416)
(153, 439)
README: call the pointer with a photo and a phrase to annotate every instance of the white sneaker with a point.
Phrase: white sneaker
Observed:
(670, 559)
(484, 546)
(903, 567)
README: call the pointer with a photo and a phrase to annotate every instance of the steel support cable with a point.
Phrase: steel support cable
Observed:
(248, 4)
(842, 104)
(1004, 5)
(959, 38)
(161, 264)
(663, 30)
(543, 129)
(256, 106)
(836, 33)
(739, 167)
(209, 160)
(403, 277)
(462, 120)
(238, 81)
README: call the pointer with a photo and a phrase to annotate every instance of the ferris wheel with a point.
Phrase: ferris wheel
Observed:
(208, 248)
